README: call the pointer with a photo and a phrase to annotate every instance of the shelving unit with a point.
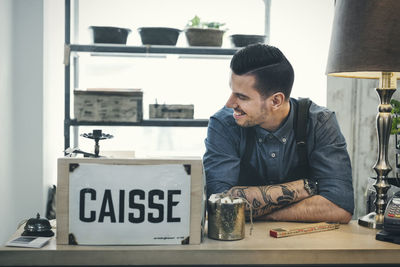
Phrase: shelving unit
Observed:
(153, 49)
(123, 50)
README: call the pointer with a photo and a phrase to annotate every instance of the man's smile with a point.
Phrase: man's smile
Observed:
(237, 114)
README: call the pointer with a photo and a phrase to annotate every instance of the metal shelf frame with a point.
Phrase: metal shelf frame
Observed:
(146, 123)
(153, 49)
(106, 49)
(109, 50)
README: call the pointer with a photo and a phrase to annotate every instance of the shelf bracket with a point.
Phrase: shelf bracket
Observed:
(148, 49)
(67, 54)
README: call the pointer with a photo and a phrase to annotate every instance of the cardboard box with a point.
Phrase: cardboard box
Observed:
(104, 201)
(108, 105)
(165, 111)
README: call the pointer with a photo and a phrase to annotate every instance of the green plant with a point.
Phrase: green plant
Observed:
(396, 119)
(197, 23)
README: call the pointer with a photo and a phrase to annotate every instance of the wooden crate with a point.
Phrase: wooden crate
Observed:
(75, 171)
(110, 105)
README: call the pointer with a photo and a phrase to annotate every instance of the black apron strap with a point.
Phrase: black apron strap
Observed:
(300, 122)
(249, 175)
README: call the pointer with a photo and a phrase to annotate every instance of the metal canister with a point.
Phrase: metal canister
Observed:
(226, 218)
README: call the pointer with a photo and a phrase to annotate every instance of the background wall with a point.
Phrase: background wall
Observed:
(301, 29)
(6, 155)
(53, 86)
(21, 114)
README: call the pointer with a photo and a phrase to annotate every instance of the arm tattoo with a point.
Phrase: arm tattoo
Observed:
(265, 199)
(239, 192)
(287, 197)
(256, 204)
(275, 197)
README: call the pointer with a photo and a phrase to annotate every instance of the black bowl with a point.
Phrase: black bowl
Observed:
(241, 40)
(109, 35)
(159, 35)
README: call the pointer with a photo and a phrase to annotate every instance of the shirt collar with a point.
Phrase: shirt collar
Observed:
(282, 134)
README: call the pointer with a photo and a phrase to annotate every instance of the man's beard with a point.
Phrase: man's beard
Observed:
(248, 122)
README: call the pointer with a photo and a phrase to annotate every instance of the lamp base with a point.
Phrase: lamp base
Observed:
(371, 220)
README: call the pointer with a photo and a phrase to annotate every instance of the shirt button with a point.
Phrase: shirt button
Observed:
(273, 155)
(270, 136)
(284, 140)
(260, 140)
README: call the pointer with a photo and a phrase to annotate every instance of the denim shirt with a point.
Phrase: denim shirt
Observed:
(275, 155)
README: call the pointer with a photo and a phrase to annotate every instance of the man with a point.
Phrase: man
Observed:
(251, 148)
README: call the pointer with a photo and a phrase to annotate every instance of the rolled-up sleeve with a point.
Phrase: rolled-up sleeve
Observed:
(330, 163)
(221, 159)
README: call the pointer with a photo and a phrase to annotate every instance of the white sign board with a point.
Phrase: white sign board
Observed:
(129, 204)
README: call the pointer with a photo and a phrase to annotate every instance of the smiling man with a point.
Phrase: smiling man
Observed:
(290, 165)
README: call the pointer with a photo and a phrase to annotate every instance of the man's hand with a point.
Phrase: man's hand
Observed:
(266, 199)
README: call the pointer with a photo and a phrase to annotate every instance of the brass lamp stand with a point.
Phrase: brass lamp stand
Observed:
(387, 86)
(365, 44)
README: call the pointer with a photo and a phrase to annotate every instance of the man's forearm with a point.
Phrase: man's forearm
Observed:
(266, 199)
(313, 209)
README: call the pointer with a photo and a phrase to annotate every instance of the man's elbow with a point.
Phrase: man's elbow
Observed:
(344, 217)
(334, 213)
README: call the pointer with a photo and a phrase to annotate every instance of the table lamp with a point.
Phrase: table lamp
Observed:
(365, 43)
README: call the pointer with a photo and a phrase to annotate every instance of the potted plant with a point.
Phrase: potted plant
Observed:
(200, 33)
(396, 132)
(396, 116)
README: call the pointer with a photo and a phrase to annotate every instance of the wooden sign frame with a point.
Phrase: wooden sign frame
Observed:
(197, 195)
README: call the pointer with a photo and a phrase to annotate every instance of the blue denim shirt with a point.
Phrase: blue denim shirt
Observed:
(275, 155)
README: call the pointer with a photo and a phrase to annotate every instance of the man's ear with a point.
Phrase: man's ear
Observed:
(277, 100)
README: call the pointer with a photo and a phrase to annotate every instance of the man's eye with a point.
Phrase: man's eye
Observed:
(242, 97)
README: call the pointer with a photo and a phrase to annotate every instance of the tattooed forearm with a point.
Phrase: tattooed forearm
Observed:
(238, 191)
(266, 199)
(274, 197)
(278, 194)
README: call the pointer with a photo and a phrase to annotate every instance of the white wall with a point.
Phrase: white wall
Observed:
(21, 112)
(302, 29)
(53, 94)
(6, 196)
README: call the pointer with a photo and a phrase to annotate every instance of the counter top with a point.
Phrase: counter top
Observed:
(350, 244)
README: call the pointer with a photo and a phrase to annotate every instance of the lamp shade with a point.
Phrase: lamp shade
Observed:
(365, 39)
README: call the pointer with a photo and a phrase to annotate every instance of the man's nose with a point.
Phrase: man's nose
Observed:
(231, 102)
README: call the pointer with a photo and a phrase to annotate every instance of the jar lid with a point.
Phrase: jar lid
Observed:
(225, 199)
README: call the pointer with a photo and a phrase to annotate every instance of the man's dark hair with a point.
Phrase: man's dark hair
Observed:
(272, 71)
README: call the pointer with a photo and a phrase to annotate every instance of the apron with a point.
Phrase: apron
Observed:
(249, 175)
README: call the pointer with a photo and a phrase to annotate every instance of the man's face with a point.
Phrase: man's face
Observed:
(250, 107)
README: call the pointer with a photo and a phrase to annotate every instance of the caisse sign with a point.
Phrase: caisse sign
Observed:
(129, 204)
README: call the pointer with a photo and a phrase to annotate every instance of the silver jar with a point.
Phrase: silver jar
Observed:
(226, 217)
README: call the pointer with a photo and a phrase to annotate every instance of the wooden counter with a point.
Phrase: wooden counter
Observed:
(350, 244)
